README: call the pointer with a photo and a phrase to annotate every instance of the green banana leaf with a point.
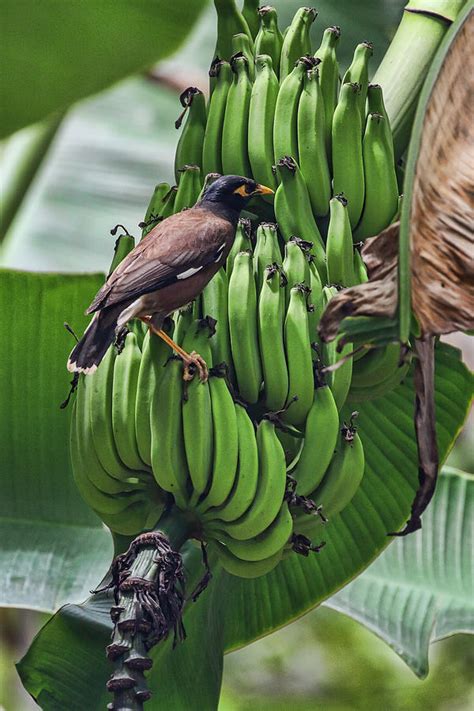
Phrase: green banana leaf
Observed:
(54, 53)
(255, 608)
(53, 547)
(420, 589)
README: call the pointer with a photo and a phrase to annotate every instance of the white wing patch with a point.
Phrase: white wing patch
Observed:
(188, 273)
(219, 253)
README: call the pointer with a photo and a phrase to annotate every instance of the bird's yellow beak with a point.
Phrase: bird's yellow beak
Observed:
(263, 190)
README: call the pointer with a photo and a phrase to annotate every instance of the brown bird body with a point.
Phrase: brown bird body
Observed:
(166, 270)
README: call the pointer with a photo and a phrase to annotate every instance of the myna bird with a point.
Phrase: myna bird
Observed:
(166, 270)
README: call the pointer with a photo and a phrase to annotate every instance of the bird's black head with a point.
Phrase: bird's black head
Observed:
(231, 193)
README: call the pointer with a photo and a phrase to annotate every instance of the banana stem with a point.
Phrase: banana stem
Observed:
(22, 157)
(149, 591)
(405, 65)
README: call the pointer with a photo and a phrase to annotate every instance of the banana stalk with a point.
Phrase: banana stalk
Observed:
(404, 67)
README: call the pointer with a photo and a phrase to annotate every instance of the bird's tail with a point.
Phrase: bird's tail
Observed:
(99, 335)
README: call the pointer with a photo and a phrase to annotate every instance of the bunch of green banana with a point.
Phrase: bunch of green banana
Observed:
(260, 128)
(189, 148)
(269, 39)
(296, 42)
(143, 440)
(235, 157)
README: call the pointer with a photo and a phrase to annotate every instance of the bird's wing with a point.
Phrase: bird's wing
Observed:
(174, 250)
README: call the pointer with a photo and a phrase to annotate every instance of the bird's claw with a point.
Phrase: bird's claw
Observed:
(195, 363)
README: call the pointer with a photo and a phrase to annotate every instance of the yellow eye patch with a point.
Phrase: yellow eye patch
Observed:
(242, 190)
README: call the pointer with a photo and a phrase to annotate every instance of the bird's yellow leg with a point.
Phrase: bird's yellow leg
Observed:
(190, 359)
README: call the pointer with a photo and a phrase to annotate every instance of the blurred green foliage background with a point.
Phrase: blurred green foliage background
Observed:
(109, 152)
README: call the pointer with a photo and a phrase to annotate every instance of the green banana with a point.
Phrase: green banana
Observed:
(260, 129)
(250, 14)
(266, 544)
(168, 459)
(87, 468)
(347, 161)
(215, 304)
(244, 568)
(245, 484)
(189, 148)
(235, 159)
(126, 369)
(208, 180)
(243, 328)
(285, 124)
(298, 357)
(339, 380)
(241, 45)
(135, 518)
(212, 144)
(315, 302)
(183, 319)
(312, 143)
(98, 475)
(270, 488)
(123, 245)
(197, 413)
(376, 366)
(242, 243)
(329, 78)
(154, 207)
(358, 71)
(270, 332)
(376, 105)
(154, 356)
(296, 265)
(230, 22)
(380, 389)
(381, 188)
(343, 476)
(189, 187)
(321, 436)
(360, 270)
(168, 203)
(294, 214)
(269, 39)
(296, 42)
(98, 395)
(266, 252)
(226, 444)
(339, 245)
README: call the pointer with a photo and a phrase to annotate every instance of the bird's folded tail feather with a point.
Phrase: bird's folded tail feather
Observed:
(99, 335)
